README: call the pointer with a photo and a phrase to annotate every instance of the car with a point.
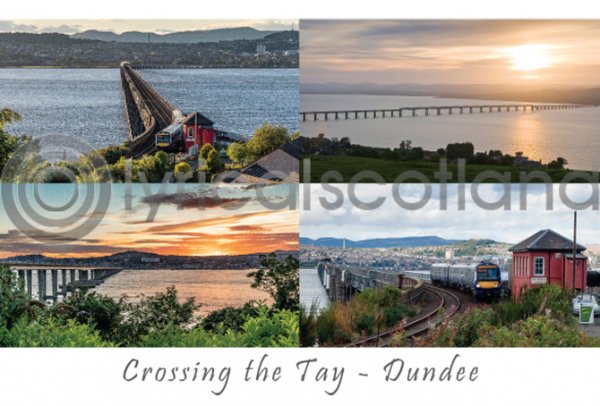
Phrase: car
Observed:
(588, 299)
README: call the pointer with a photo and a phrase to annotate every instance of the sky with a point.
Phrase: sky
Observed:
(450, 52)
(237, 223)
(156, 26)
(392, 220)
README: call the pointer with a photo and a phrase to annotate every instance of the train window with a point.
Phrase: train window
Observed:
(538, 266)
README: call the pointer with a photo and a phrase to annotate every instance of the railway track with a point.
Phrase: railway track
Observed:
(444, 305)
(159, 109)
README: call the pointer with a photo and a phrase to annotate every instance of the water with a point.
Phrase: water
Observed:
(312, 291)
(541, 135)
(214, 289)
(88, 103)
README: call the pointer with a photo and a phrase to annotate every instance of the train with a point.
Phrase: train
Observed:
(186, 133)
(483, 280)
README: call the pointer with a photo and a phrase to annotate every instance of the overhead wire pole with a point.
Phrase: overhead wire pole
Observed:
(575, 252)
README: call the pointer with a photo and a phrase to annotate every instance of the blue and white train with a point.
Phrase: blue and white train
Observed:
(483, 280)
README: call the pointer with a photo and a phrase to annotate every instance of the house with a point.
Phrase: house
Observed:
(547, 257)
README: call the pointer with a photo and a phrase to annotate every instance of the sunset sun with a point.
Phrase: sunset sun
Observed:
(529, 57)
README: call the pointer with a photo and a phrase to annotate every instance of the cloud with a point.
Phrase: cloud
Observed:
(391, 220)
(10, 26)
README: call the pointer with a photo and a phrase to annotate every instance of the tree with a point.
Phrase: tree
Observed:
(280, 279)
(237, 152)
(558, 163)
(266, 139)
(205, 150)
(213, 162)
(181, 169)
(8, 143)
(163, 160)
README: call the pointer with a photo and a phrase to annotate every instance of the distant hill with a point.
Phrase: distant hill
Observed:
(183, 37)
(403, 242)
(518, 93)
(147, 260)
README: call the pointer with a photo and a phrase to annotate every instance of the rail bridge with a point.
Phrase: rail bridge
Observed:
(342, 283)
(70, 278)
(433, 111)
(148, 112)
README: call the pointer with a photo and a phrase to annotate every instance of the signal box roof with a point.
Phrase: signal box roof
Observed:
(546, 240)
(197, 118)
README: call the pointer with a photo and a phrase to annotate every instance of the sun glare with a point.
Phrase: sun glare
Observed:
(529, 57)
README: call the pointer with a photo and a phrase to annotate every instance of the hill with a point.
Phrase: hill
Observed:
(183, 37)
(402, 242)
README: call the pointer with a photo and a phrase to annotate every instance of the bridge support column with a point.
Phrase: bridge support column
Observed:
(54, 273)
(41, 284)
(72, 277)
(303, 117)
(346, 115)
(315, 117)
(83, 275)
(29, 283)
(21, 273)
(64, 283)
(336, 115)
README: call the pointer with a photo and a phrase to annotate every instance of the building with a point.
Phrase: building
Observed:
(197, 130)
(261, 48)
(547, 257)
(281, 165)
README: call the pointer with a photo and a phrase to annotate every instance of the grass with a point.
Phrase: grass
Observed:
(348, 166)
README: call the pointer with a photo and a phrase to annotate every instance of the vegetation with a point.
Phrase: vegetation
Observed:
(113, 164)
(541, 317)
(349, 166)
(266, 139)
(280, 279)
(8, 143)
(369, 312)
(350, 159)
(88, 319)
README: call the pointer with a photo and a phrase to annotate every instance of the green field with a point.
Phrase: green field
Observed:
(349, 166)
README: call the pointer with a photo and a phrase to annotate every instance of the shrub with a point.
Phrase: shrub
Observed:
(50, 333)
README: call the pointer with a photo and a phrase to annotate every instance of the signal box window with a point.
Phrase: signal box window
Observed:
(538, 266)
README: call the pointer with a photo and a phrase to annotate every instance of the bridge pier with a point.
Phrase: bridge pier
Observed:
(315, 117)
(54, 274)
(64, 283)
(29, 283)
(41, 284)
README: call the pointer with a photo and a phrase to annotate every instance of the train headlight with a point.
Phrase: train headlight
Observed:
(477, 285)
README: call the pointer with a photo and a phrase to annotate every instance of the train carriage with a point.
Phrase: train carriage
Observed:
(482, 280)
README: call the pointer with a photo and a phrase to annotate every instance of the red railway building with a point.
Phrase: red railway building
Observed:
(197, 130)
(547, 257)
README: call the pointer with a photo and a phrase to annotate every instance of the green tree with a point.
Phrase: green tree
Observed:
(181, 169)
(266, 139)
(8, 143)
(205, 150)
(237, 152)
(213, 162)
(280, 279)
(163, 160)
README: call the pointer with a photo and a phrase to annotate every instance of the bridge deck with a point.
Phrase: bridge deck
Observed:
(432, 111)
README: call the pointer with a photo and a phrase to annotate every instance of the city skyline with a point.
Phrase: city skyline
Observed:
(517, 52)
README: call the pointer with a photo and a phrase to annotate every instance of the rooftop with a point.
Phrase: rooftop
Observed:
(546, 240)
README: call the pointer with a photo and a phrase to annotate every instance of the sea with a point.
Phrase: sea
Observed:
(88, 103)
(544, 135)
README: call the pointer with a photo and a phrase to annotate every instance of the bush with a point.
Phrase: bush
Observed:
(230, 318)
(205, 150)
(277, 330)
(366, 323)
(50, 333)
(181, 169)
